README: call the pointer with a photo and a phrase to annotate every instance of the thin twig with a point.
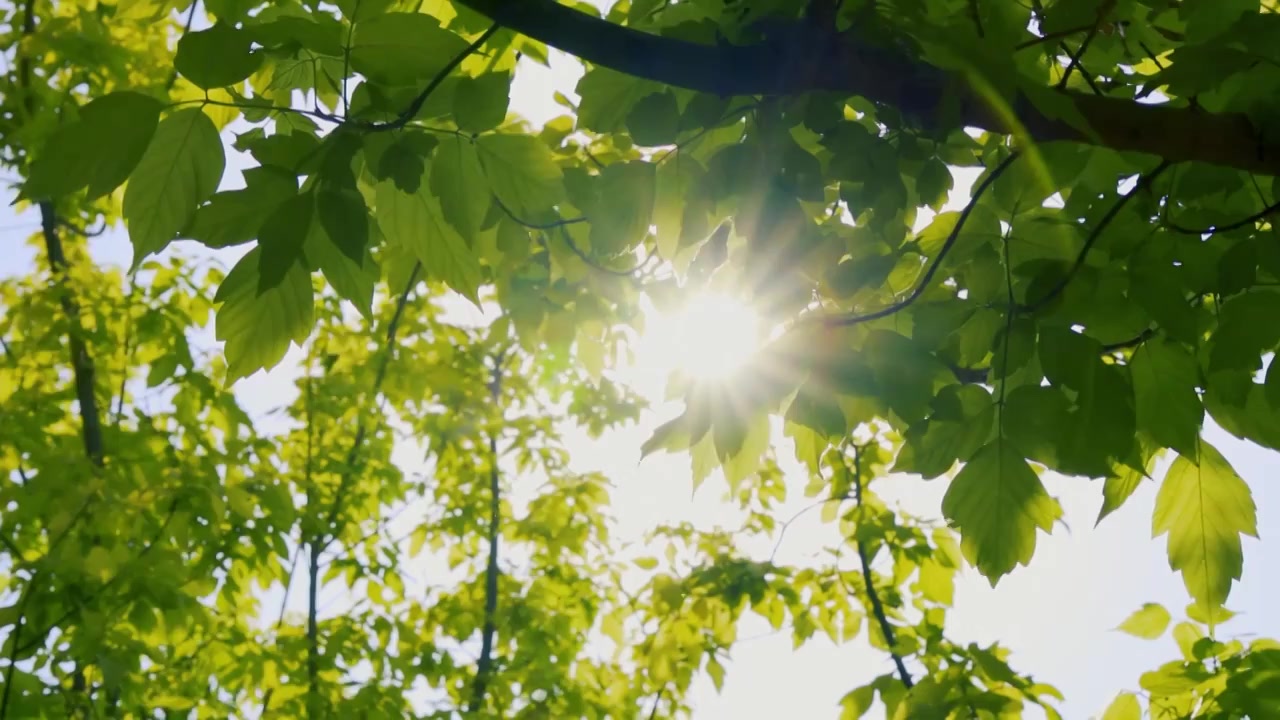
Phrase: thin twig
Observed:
(877, 607)
(550, 225)
(1056, 35)
(584, 257)
(186, 28)
(350, 472)
(1212, 229)
(855, 319)
(1143, 183)
(412, 110)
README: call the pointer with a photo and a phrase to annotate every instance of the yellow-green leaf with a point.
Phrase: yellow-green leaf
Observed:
(521, 172)
(1165, 378)
(1124, 707)
(1149, 622)
(180, 170)
(257, 326)
(402, 48)
(416, 221)
(997, 501)
(1205, 509)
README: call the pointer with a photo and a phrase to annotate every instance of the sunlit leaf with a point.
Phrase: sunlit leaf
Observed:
(998, 503)
(1205, 509)
(416, 222)
(1148, 623)
(180, 170)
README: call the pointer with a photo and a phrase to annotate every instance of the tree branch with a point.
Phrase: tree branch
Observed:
(1212, 229)
(1143, 183)
(877, 607)
(884, 75)
(857, 319)
(484, 666)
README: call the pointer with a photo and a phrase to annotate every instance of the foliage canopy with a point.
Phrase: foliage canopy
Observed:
(1110, 281)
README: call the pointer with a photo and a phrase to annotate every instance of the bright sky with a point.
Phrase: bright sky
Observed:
(1056, 616)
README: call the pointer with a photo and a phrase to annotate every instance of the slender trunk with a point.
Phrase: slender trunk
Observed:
(484, 667)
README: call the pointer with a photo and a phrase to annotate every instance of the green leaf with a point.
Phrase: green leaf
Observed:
(99, 149)
(180, 170)
(1165, 378)
(401, 48)
(655, 119)
(521, 172)
(351, 279)
(623, 210)
(1246, 328)
(282, 237)
(457, 178)
(1271, 388)
(998, 502)
(257, 327)
(1156, 290)
(399, 156)
(607, 98)
(1205, 509)
(217, 57)
(345, 219)
(416, 222)
(480, 103)
(1116, 489)
(1124, 707)
(933, 184)
(1148, 623)
(235, 216)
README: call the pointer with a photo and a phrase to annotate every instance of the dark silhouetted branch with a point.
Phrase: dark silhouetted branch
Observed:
(484, 666)
(1243, 222)
(864, 557)
(842, 63)
(923, 284)
(1143, 183)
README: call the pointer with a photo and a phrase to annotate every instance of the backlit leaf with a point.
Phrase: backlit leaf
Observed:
(400, 48)
(98, 150)
(258, 327)
(416, 222)
(480, 103)
(457, 178)
(1205, 509)
(1124, 707)
(180, 170)
(1165, 378)
(216, 57)
(521, 172)
(998, 503)
(1148, 623)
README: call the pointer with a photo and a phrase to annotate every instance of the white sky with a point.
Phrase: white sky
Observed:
(1056, 615)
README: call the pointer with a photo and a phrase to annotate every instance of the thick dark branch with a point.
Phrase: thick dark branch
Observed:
(313, 632)
(81, 362)
(857, 319)
(484, 667)
(883, 75)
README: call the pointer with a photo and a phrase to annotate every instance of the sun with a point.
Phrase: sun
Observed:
(711, 336)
